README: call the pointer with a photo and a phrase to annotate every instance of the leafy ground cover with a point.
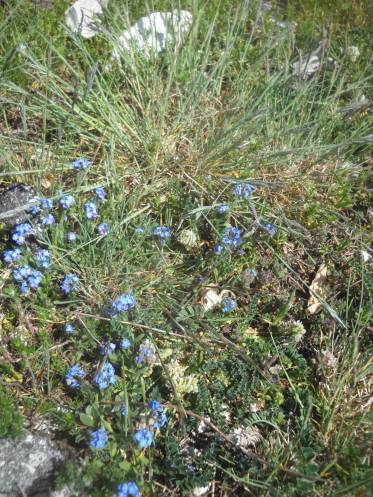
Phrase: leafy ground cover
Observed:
(168, 332)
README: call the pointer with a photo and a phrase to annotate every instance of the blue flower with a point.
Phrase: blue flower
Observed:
(48, 220)
(98, 439)
(34, 279)
(107, 348)
(143, 438)
(10, 256)
(70, 283)
(228, 304)
(218, 249)
(71, 236)
(43, 258)
(21, 273)
(28, 278)
(106, 376)
(146, 354)
(47, 203)
(123, 303)
(231, 237)
(69, 329)
(73, 375)
(81, 163)
(20, 232)
(243, 190)
(90, 210)
(159, 418)
(162, 232)
(35, 209)
(124, 344)
(67, 201)
(100, 193)
(270, 229)
(222, 209)
(140, 230)
(103, 229)
(154, 405)
(123, 410)
(129, 489)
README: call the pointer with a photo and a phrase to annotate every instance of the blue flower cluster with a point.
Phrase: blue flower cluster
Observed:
(129, 489)
(162, 232)
(74, 375)
(103, 229)
(70, 283)
(124, 344)
(143, 438)
(146, 354)
(123, 303)
(20, 233)
(28, 278)
(67, 201)
(222, 209)
(230, 240)
(48, 220)
(100, 193)
(243, 190)
(106, 376)
(10, 256)
(43, 258)
(90, 209)
(81, 164)
(107, 348)
(159, 418)
(228, 304)
(98, 439)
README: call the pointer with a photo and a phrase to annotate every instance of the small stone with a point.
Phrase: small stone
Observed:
(82, 18)
(153, 33)
(306, 66)
(15, 201)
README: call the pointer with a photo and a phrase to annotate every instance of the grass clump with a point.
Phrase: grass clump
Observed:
(11, 420)
(187, 204)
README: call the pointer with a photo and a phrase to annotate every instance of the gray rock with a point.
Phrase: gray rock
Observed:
(14, 203)
(28, 467)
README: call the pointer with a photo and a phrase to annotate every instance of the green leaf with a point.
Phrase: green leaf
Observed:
(86, 420)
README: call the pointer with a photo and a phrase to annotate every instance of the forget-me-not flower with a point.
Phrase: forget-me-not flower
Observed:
(129, 489)
(98, 439)
(81, 164)
(143, 438)
(70, 283)
(74, 375)
(106, 376)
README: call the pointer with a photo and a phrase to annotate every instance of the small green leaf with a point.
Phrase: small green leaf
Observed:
(86, 420)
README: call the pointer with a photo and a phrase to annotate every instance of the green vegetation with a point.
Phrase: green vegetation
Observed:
(269, 399)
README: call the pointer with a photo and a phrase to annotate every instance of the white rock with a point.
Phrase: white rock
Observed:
(306, 66)
(154, 32)
(81, 17)
(365, 255)
(199, 491)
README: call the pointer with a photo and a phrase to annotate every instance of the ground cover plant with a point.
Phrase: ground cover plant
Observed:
(188, 303)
